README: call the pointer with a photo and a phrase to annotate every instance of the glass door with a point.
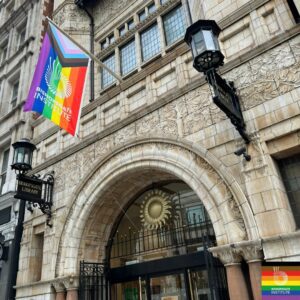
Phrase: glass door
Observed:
(130, 290)
(199, 285)
(168, 287)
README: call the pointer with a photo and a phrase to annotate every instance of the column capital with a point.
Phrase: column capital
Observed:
(71, 282)
(251, 251)
(227, 255)
(58, 286)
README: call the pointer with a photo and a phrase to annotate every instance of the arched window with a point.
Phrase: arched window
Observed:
(165, 220)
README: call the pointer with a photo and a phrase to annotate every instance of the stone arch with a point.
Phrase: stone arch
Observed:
(131, 166)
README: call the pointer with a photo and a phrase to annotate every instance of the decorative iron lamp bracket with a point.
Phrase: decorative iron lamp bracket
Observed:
(36, 192)
(226, 99)
(202, 37)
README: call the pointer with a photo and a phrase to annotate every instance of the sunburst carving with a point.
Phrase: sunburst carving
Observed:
(157, 209)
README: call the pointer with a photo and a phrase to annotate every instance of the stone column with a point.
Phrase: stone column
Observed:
(72, 294)
(60, 290)
(72, 283)
(237, 286)
(253, 255)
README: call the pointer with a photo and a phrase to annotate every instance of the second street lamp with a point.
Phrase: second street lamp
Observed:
(202, 37)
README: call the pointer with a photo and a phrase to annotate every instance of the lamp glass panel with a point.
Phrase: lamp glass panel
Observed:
(20, 155)
(209, 40)
(198, 44)
(27, 156)
(15, 156)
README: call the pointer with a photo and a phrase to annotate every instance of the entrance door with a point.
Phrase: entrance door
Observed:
(168, 287)
(183, 277)
(129, 290)
(199, 285)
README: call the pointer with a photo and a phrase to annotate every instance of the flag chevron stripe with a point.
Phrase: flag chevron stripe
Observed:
(66, 58)
(66, 46)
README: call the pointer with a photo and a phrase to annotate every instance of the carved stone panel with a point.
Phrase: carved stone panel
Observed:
(106, 10)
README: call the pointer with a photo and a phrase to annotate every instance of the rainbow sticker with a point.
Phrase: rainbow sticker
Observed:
(280, 282)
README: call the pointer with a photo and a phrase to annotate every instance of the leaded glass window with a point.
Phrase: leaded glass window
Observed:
(128, 57)
(122, 30)
(290, 171)
(107, 79)
(104, 44)
(174, 25)
(142, 16)
(151, 8)
(111, 39)
(5, 215)
(130, 24)
(14, 95)
(150, 42)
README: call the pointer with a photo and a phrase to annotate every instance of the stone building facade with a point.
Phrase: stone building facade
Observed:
(21, 25)
(159, 127)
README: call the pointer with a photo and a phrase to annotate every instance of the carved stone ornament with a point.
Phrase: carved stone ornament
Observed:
(58, 286)
(258, 161)
(227, 255)
(272, 74)
(109, 9)
(157, 210)
(251, 251)
(71, 282)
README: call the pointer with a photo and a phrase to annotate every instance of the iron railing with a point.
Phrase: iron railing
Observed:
(93, 284)
(196, 234)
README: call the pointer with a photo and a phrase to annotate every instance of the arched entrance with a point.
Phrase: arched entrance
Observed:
(159, 249)
(108, 189)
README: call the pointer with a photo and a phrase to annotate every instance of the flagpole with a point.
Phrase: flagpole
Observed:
(93, 57)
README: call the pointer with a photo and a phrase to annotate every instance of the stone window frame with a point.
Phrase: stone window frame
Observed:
(107, 80)
(9, 8)
(21, 33)
(110, 39)
(177, 8)
(15, 88)
(156, 17)
(148, 46)
(291, 183)
(4, 49)
(295, 10)
(4, 167)
(5, 214)
(125, 27)
(132, 41)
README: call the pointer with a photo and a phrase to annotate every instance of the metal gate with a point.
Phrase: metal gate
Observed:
(92, 282)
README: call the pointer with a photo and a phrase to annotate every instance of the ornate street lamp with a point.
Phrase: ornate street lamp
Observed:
(23, 151)
(37, 192)
(202, 37)
(31, 188)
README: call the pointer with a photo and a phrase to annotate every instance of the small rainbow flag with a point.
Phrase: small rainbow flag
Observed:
(58, 82)
(280, 282)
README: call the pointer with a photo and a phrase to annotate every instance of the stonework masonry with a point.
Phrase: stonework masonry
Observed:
(160, 122)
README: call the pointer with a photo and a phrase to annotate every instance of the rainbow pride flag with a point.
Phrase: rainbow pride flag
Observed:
(280, 282)
(58, 82)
